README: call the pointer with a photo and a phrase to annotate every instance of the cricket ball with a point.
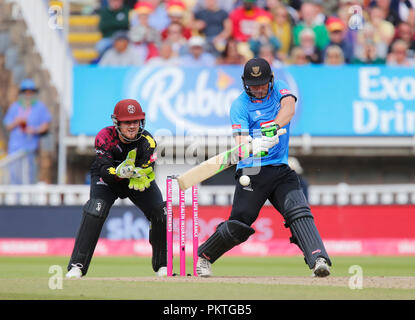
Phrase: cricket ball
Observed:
(244, 181)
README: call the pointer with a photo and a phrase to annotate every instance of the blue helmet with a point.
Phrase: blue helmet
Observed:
(28, 84)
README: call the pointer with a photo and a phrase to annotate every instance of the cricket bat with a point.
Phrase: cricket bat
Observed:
(216, 164)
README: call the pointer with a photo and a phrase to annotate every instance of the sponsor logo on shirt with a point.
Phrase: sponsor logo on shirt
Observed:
(153, 157)
(284, 91)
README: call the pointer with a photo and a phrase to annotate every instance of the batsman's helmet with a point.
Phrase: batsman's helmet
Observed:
(128, 110)
(257, 71)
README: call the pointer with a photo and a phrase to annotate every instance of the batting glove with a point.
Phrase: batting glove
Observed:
(258, 145)
(126, 168)
(269, 142)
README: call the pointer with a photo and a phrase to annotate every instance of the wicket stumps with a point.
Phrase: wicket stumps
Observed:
(182, 228)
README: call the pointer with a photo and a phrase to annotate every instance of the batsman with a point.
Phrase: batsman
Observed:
(262, 115)
(123, 168)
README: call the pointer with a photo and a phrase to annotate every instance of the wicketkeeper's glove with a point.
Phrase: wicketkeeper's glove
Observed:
(142, 178)
(126, 168)
(142, 172)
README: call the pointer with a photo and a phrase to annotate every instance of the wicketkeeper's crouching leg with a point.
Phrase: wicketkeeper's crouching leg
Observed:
(95, 212)
(158, 239)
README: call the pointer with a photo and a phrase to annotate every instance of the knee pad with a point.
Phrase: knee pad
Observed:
(234, 231)
(295, 207)
(97, 207)
(228, 234)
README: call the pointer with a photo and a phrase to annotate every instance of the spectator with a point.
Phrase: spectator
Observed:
(267, 52)
(231, 54)
(403, 8)
(174, 35)
(366, 50)
(337, 33)
(308, 13)
(214, 24)
(399, 55)
(411, 20)
(272, 5)
(334, 55)
(122, 53)
(197, 57)
(176, 11)
(143, 32)
(112, 19)
(26, 120)
(403, 32)
(384, 31)
(243, 20)
(281, 26)
(263, 36)
(227, 5)
(390, 15)
(159, 18)
(166, 56)
(308, 44)
(367, 36)
(142, 35)
(345, 15)
(298, 57)
(320, 16)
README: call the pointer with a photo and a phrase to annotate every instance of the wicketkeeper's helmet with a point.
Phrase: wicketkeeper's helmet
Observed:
(128, 110)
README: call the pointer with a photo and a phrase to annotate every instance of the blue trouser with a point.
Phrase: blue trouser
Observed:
(24, 170)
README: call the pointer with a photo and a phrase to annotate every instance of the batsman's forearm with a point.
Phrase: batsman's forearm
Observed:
(286, 112)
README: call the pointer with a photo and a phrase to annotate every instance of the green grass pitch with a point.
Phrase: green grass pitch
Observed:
(235, 278)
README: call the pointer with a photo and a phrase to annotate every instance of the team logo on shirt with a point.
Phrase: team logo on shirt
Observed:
(256, 72)
(131, 108)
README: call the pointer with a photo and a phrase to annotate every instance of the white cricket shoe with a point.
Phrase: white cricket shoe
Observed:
(75, 271)
(162, 272)
(321, 268)
(203, 268)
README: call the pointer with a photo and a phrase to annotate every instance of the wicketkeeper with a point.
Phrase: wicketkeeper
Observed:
(265, 106)
(123, 168)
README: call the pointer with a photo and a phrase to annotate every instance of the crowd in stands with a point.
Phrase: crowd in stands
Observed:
(285, 32)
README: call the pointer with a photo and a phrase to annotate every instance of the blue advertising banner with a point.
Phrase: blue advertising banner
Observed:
(123, 222)
(332, 101)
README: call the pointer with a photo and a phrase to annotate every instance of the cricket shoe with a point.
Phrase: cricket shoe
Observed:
(75, 272)
(321, 268)
(203, 268)
(162, 272)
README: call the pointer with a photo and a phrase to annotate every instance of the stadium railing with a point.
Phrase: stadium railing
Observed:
(21, 168)
(340, 194)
